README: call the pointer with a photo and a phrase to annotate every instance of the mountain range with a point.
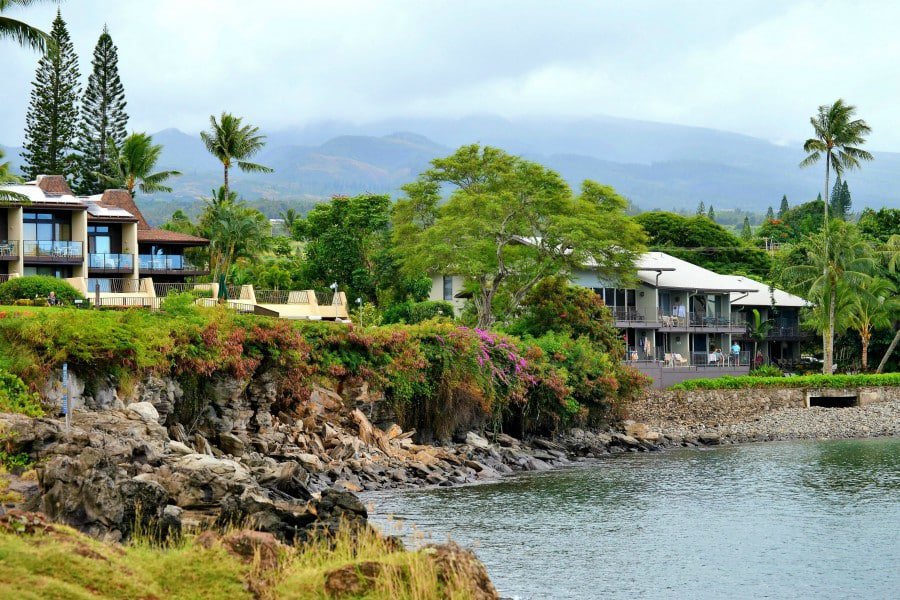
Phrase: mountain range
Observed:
(655, 165)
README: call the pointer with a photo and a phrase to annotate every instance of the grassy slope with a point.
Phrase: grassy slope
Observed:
(60, 563)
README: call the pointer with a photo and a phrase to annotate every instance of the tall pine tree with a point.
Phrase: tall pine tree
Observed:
(711, 215)
(770, 214)
(746, 231)
(103, 117)
(839, 203)
(52, 117)
(701, 209)
(782, 210)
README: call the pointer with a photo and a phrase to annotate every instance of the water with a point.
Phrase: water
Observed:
(777, 520)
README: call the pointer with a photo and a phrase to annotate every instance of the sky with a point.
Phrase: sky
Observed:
(754, 67)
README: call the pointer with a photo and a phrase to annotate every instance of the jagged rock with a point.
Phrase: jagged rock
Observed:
(145, 410)
(288, 521)
(202, 480)
(231, 444)
(506, 440)
(710, 438)
(253, 546)
(625, 440)
(353, 581)
(476, 441)
(179, 448)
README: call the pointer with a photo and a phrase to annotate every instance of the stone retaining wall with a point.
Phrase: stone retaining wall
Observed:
(662, 408)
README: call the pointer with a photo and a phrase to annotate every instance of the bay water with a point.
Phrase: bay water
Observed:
(776, 520)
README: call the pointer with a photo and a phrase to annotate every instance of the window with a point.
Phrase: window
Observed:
(448, 288)
(99, 239)
(46, 227)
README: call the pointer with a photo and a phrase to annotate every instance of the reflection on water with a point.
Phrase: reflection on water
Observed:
(779, 520)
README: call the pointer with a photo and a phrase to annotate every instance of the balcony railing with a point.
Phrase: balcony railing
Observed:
(165, 262)
(4, 277)
(328, 299)
(113, 285)
(282, 297)
(111, 262)
(725, 359)
(626, 313)
(9, 249)
(198, 289)
(53, 249)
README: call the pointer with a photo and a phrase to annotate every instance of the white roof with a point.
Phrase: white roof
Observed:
(37, 195)
(667, 272)
(107, 211)
(761, 297)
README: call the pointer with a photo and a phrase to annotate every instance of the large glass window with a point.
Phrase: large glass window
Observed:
(46, 227)
(99, 240)
(448, 288)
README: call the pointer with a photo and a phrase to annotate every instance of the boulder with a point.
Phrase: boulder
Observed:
(231, 444)
(197, 480)
(250, 546)
(179, 448)
(476, 441)
(145, 410)
(710, 438)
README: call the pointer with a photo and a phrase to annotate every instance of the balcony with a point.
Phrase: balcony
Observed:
(9, 250)
(168, 264)
(111, 263)
(112, 285)
(52, 252)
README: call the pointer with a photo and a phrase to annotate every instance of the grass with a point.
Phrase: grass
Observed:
(812, 381)
(56, 562)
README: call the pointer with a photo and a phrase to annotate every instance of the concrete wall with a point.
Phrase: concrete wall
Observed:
(437, 291)
(79, 234)
(648, 304)
(14, 232)
(660, 408)
(130, 246)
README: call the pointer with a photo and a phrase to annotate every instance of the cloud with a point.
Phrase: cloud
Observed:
(758, 69)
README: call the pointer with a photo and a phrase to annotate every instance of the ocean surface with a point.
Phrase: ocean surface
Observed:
(775, 520)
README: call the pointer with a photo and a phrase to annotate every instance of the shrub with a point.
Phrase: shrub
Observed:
(766, 371)
(412, 313)
(15, 397)
(812, 381)
(28, 288)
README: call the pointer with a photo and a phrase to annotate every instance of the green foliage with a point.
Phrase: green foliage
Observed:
(348, 242)
(132, 165)
(770, 214)
(182, 304)
(508, 224)
(22, 33)
(746, 231)
(234, 231)
(416, 312)
(879, 225)
(804, 381)
(782, 210)
(702, 242)
(798, 223)
(766, 371)
(51, 121)
(103, 117)
(37, 286)
(16, 398)
(554, 305)
(840, 201)
(233, 143)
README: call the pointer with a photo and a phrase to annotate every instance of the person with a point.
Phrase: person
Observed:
(52, 300)
(735, 352)
(720, 358)
(759, 359)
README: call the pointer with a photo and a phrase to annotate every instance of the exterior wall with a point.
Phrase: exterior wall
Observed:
(79, 234)
(708, 408)
(666, 376)
(648, 304)
(130, 246)
(14, 218)
(437, 291)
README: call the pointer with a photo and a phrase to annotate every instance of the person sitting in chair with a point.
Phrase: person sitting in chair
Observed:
(52, 300)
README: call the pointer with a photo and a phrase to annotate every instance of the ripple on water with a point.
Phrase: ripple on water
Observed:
(786, 519)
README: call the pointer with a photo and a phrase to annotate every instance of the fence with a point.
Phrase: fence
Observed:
(127, 302)
(165, 262)
(52, 249)
(282, 297)
(626, 313)
(164, 289)
(110, 285)
(111, 262)
(9, 248)
(328, 299)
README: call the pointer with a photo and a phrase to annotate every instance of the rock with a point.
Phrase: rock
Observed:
(170, 522)
(506, 440)
(248, 545)
(179, 448)
(345, 485)
(435, 479)
(197, 480)
(536, 464)
(231, 444)
(476, 441)
(145, 410)
(710, 438)
(310, 461)
(353, 581)
(625, 440)
(475, 465)
(398, 475)
(636, 430)
(452, 561)
(546, 444)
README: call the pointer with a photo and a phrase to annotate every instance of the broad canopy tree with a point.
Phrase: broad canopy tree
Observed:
(509, 223)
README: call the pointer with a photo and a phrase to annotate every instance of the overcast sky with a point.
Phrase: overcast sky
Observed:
(756, 67)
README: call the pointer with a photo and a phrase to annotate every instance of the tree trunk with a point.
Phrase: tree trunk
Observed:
(888, 352)
(829, 343)
(864, 338)
(225, 167)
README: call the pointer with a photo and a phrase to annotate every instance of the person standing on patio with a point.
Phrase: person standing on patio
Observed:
(735, 353)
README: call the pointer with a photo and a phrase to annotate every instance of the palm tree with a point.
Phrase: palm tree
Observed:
(228, 140)
(874, 306)
(7, 177)
(847, 260)
(24, 34)
(838, 137)
(234, 230)
(758, 330)
(134, 163)
(289, 217)
(890, 254)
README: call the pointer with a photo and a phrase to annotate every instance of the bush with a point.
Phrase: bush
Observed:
(812, 381)
(29, 288)
(412, 313)
(15, 397)
(766, 371)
